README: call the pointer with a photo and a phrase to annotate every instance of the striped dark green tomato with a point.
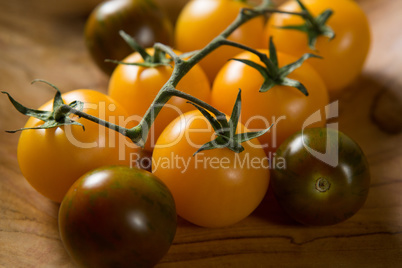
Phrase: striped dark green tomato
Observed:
(117, 217)
(325, 179)
(141, 19)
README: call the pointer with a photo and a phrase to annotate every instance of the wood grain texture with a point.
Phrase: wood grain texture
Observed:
(36, 44)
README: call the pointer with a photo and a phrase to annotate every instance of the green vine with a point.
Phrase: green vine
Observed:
(225, 130)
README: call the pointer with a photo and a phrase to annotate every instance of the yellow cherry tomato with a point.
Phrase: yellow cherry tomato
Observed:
(135, 88)
(212, 188)
(52, 159)
(202, 20)
(285, 107)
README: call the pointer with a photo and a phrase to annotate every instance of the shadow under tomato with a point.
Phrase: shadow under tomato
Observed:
(270, 211)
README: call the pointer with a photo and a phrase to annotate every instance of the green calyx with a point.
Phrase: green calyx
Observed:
(226, 130)
(272, 74)
(313, 27)
(150, 61)
(58, 117)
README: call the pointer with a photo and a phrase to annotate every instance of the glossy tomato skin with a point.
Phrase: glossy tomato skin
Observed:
(317, 190)
(52, 159)
(285, 107)
(141, 19)
(172, 8)
(343, 57)
(200, 21)
(135, 88)
(117, 216)
(213, 188)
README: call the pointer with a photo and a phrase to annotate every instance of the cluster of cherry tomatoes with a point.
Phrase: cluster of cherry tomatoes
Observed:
(217, 187)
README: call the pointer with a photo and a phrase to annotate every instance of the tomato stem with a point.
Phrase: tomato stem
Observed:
(182, 66)
(183, 95)
(322, 185)
(66, 108)
(245, 15)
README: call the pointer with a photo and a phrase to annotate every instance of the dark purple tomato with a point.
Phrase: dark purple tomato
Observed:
(117, 217)
(141, 19)
(321, 176)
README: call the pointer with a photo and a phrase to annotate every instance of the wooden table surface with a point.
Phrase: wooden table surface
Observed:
(36, 44)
